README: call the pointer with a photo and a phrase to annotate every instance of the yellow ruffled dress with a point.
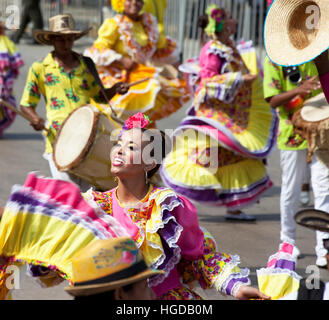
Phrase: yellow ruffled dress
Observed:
(120, 37)
(219, 147)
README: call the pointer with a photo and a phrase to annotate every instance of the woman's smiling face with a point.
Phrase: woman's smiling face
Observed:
(127, 155)
(133, 8)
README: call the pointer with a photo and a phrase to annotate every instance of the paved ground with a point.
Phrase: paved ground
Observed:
(21, 152)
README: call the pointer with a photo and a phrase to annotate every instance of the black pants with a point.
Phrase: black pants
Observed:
(31, 12)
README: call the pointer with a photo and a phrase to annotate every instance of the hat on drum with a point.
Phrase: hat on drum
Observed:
(83, 144)
(315, 109)
(296, 31)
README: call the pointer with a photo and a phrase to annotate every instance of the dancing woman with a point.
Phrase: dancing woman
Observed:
(163, 224)
(124, 50)
(219, 147)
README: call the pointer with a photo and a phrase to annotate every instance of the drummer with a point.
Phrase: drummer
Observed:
(64, 81)
(286, 89)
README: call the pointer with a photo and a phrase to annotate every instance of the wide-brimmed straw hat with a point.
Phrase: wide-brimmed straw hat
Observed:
(105, 265)
(313, 219)
(59, 25)
(296, 31)
(315, 109)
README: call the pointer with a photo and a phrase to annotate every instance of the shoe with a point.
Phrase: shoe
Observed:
(321, 262)
(304, 198)
(239, 217)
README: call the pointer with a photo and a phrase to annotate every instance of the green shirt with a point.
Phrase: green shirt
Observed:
(274, 84)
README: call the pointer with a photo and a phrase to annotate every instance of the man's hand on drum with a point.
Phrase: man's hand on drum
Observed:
(308, 86)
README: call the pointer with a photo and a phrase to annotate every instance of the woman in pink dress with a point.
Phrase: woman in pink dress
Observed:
(165, 225)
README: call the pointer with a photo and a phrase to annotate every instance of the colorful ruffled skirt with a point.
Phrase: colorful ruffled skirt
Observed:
(279, 278)
(10, 62)
(158, 97)
(45, 223)
(218, 151)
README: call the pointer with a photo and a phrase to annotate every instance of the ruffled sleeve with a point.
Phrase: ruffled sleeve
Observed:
(200, 259)
(167, 52)
(217, 81)
(102, 52)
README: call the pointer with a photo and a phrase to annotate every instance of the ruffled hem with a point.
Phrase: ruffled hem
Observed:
(166, 200)
(279, 278)
(102, 58)
(278, 271)
(191, 70)
(64, 223)
(235, 184)
(262, 144)
(10, 58)
(231, 278)
(167, 55)
(233, 200)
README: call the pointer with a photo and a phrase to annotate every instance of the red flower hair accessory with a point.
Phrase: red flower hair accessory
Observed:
(138, 120)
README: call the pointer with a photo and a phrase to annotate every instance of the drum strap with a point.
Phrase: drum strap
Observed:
(92, 69)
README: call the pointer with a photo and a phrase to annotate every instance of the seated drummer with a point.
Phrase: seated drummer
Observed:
(286, 89)
(65, 82)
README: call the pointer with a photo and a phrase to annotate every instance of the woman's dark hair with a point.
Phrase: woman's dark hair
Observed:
(107, 295)
(203, 21)
(165, 147)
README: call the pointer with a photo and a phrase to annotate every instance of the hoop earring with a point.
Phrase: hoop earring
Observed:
(146, 178)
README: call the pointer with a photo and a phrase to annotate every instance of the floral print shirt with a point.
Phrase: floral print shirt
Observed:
(63, 92)
(275, 83)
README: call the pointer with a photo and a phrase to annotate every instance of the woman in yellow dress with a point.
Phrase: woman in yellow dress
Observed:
(124, 51)
(219, 147)
(167, 48)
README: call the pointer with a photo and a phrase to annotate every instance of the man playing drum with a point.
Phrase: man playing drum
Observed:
(66, 83)
(286, 89)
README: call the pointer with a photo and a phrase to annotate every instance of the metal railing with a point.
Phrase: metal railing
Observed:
(180, 21)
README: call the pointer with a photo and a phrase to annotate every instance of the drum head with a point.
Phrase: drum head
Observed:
(75, 137)
(315, 109)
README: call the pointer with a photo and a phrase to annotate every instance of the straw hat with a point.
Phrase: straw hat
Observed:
(315, 109)
(59, 25)
(313, 219)
(105, 265)
(296, 31)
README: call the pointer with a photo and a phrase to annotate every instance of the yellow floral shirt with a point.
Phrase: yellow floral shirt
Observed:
(62, 91)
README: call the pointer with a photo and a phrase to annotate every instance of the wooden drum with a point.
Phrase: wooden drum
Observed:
(312, 123)
(83, 145)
